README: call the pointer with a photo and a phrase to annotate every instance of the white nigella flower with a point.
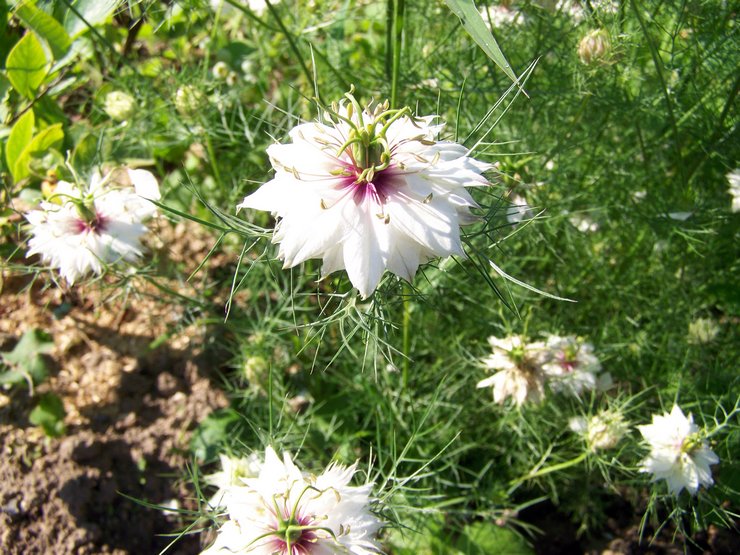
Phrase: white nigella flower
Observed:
(678, 454)
(232, 473)
(518, 210)
(371, 190)
(83, 228)
(733, 178)
(571, 364)
(582, 223)
(500, 15)
(284, 511)
(519, 370)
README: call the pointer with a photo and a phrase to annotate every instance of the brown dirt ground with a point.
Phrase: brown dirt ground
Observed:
(130, 411)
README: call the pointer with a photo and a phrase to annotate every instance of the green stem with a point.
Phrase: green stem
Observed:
(399, 7)
(292, 43)
(550, 469)
(406, 335)
(214, 164)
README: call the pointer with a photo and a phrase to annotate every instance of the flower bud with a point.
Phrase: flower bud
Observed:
(594, 46)
(119, 105)
(188, 100)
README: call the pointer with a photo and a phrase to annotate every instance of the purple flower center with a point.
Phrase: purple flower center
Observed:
(302, 542)
(378, 187)
(568, 362)
(96, 224)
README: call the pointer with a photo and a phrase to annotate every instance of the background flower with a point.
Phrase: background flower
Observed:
(81, 229)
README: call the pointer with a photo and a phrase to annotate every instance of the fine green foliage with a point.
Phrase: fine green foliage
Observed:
(609, 217)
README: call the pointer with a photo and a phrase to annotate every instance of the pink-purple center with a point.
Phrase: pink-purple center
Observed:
(96, 225)
(302, 543)
(378, 188)
(567, 362)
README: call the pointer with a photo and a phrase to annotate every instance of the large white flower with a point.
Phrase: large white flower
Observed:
(571, 365)
(83, 228)
(368, 191)
(284, 511)
(519, 368)
(677, 452)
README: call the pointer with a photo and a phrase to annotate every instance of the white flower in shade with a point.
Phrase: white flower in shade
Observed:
(582, 223)
(83, 228)
(257, 6)
(678, 454)
(519, 368)
(733, 178)
(571, 364)
(500, 16)
(232, 473)
(284, 511)
(518, 210)
(602, 431)
(371, 190)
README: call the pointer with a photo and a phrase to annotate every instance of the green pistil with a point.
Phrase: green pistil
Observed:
(691, 444)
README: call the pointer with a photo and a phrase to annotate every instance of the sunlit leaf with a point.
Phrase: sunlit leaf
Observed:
(473, 22)
(46, 27)
(27, 65)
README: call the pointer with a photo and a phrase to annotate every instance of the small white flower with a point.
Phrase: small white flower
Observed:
(733, 178)
(519, 370)
(86, 228)
(500, 16)
(220, 70)
(602, 431)
(284, 511)
(232, 473)
(677, 452)
(370, 191)
(518, 210)
(119, 105)
(571, 365)
(582, 223)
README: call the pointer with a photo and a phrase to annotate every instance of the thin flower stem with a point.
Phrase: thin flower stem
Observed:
(397, 31)
(406, 335)
(550, 469)
(291, 42)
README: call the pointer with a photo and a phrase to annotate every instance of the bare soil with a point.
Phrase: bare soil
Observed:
(135, 382)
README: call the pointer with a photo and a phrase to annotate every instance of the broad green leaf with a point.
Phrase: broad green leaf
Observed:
(46, 27)
(89, 13)
(43, 141)
(20, 136)
(25, 362)
(473, 22)
(49, 414)
(27, 65)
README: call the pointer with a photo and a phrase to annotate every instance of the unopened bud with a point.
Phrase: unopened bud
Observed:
(119, 105)
(594, 47)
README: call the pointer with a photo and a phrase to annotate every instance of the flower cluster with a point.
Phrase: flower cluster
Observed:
(565, 363)
(282, 510)
(81, 228)
(368, 190)
(678, 453)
